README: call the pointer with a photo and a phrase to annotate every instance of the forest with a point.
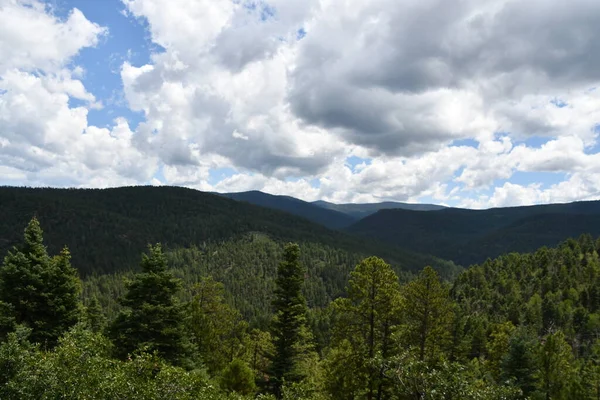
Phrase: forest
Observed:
(258, 317)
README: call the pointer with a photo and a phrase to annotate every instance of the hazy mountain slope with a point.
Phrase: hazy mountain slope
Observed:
(327, 217)
(106, 230)
(470, 236)
(363, 210)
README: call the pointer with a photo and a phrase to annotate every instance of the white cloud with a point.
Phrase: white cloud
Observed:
(394, 84)
(45, 140)
(31, 38)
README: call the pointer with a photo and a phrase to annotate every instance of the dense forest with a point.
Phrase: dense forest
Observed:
(471, 236)
(301, 322)
(106, 228)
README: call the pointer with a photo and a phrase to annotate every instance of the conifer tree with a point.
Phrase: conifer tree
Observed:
(217, 328)
(519, 363)
(39, 291)
(290, 318)
(367, 319)
(153, 318)
(429, 314)
(555, 366)
(95, 318)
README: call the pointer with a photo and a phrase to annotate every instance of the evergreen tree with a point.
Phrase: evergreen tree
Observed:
(591, 373)
(217, 328)
(498, 347)
(259, 347)
(368, 318)
(153, 319)
(238, 377)
(555, 366)
(289, 319)
(39, 291)
(429, 314)
(519, 363)
(95, 318)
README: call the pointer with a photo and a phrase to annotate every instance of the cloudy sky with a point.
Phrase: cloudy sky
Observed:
(473, 103)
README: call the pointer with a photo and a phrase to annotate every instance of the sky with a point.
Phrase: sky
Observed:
(469, 103)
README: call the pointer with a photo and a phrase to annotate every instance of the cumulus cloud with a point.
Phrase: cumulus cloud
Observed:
(31, 38)
(443, 99)
(45, 140)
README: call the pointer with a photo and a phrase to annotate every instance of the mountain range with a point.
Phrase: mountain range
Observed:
(461, 235)
(114, 225)
(107, 229)
(331, 215)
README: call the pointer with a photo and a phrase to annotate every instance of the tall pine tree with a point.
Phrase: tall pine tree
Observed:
(368, 320)
(39, 291)
(428, 312)
(217, 328)
(290, 318)
(153, 319)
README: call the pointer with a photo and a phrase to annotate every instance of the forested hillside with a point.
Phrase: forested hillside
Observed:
(106, 228)
(312, 211)
(361, 210)
(247, 267)
(195, 324)
(471, 236)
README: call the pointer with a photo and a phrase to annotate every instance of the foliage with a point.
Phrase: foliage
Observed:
(428, 315)
(471, 236)
(94, 316)
(290, 318)
(515, 327)
(124, 220)
(238, 377)
(555, 370)
(367, 321)
(80, 367)
(217, 329)
(416, 379)
(37, 290)
(153, 318)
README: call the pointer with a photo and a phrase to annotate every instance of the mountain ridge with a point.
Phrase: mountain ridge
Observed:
(361, 210)
(330, 218)
(115, 225)
(470, 236)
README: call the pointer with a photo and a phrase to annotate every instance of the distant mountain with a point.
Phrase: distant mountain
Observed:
(471, 236)
(328, 217)
(359, 211)
(106, 230)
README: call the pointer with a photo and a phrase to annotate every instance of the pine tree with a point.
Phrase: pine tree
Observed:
(39, 291)
(429, 314)
(153, 319)
(519, 363)
(555, 366)
(238, 377)
(217, 328)
(289, 320)
(95, 318)
(368, 318)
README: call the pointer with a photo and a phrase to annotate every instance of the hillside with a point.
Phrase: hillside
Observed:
(247, 266)
(471, 236)
(359, 210)
(328, 217)
(115, 225)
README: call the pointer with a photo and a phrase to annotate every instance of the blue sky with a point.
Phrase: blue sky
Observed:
(303, 98)
(127, 40)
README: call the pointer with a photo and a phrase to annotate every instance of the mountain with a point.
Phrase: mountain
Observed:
(471, 236)
(328, 217)
(359, 211)
(107, 229)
